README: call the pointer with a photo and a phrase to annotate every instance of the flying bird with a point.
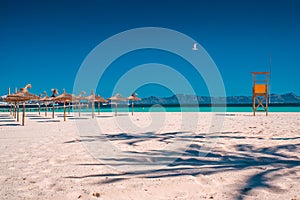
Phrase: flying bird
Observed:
(195, 47)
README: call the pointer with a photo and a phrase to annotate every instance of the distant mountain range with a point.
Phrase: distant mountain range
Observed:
(288, 98)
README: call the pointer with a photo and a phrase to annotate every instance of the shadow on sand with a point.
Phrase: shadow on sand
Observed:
(269, 161)
(10, 124)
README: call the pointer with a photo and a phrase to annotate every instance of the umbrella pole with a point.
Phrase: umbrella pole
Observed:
(15, 110)
(46, 110)
(53, 110)
(98, 108)
(132, 110)
(69, 108)
(18, 110)
(64, 111)
(116, 110)
(39, 108)
(79, 108)
(23, 118)
(93, 107)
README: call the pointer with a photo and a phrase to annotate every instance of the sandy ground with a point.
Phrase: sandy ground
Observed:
(151, 156)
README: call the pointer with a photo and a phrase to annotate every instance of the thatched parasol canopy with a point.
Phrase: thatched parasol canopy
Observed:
(54, 94)
(79, 98)
(133, 97)
(64, 97)
(99, 99)
(46, 99)
(95, 98)
(22, 96)
(117, 98)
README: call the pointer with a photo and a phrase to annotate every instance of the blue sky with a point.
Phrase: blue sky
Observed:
(44, 42)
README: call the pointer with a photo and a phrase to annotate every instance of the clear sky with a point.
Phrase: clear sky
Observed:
(44, 42)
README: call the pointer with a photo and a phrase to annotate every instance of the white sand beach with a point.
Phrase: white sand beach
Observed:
(247, 158)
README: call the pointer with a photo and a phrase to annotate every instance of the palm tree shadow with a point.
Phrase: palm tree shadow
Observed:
(195, 161)
(10, 124)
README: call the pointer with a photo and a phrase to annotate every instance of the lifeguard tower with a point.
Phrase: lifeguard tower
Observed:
(260, 91)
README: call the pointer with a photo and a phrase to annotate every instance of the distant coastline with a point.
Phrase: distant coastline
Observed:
(183, 100)
(289, 99)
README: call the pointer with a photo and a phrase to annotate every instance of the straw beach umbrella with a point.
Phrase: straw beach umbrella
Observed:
(65, 98)
(39, 107)
(92, 99)
(26, 96)
(79, 98)
(14, 99)
(95, 98)
(133, 97)
(12, 103)
(45, 99)
(54, 93)
(22, 96)
(115, 99)
(99, 99)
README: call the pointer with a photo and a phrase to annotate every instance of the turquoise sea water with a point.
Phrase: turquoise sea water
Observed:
(198, 109)
(169, 109)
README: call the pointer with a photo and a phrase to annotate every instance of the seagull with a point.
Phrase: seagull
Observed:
(195, 47)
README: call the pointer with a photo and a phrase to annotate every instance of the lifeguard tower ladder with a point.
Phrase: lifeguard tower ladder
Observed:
(260, 91)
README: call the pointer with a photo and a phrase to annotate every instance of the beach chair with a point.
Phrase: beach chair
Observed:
(260, 91)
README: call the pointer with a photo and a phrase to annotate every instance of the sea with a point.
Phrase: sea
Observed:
(157, 108)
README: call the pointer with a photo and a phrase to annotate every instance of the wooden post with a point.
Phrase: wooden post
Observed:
(267, 101)
(93, 104)
(53, 110)
(18, 117)
(15, 110)
(98, 108)
(267, 93)
(10, 108)
(69, 108)
(64, 111)
(46, 109)
(79, 108)
(253, 105)
(93, 107)
(23, 118)
(132, 110)
(39, 108)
